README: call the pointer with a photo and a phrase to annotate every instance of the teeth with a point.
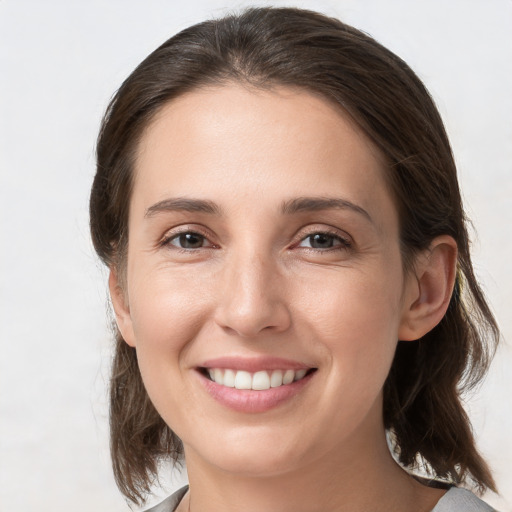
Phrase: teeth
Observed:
(217, 374)
(299, 374)
(229, 378)
(258, 381)
(288, 376)
(243, 380)
(276, 379)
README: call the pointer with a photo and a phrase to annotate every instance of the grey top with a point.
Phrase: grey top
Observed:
(461, 500)
(170, 504)
(455, 500)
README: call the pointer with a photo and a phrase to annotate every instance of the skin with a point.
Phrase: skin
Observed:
(255, 286)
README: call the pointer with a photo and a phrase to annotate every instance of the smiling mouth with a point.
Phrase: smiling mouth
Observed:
(258, 381)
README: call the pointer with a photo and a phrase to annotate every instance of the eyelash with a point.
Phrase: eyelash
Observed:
(167, 240)
(344, 243)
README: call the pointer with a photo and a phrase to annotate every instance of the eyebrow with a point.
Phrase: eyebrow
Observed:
(308, 204)
(182, 204)
(296, 205)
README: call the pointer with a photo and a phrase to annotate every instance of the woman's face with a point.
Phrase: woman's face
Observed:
(263, 245)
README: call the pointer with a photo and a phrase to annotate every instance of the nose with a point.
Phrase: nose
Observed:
(253, 297)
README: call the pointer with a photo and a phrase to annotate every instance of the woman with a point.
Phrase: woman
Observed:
(278, 205)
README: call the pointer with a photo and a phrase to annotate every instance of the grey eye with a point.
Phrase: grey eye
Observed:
(188, 241)
(323, 241)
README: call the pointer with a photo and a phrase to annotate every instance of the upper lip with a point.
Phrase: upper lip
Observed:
(254, 364)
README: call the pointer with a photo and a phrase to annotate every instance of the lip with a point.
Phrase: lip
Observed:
(248, 400)
(254, 364)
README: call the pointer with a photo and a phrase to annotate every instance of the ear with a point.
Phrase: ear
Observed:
(121, 308)
(429, 289)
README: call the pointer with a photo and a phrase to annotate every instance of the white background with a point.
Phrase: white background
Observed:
(59, 64)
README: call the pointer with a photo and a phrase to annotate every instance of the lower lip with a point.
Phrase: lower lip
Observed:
(251, 401)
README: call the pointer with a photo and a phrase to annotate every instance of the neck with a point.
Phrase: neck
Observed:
(354, 479)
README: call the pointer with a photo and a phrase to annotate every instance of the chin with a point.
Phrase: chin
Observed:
(253, 454)
(256, 465)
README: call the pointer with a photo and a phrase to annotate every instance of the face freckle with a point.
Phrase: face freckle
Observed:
(262, 232)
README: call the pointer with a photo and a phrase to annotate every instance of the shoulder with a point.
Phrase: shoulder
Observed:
(461, 500)
(455, 500)
(171, 502)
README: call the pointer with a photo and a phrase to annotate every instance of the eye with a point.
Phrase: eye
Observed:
(188, 240)
(324, 241)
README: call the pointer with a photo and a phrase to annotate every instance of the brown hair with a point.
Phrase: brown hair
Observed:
(264, 47)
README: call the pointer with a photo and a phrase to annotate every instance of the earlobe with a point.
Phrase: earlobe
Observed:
(430, 289)
(121, 308)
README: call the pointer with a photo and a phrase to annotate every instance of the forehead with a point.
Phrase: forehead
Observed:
(246, 137)
(206, 113)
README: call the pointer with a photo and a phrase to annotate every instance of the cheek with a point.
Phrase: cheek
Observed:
(355, 319)
(167, 310)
